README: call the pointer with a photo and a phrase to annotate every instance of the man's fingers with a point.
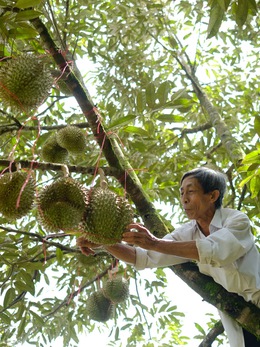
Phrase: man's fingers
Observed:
(137, 226)
(86, 250)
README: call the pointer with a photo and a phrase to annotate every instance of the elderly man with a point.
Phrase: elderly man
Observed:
(218, 239)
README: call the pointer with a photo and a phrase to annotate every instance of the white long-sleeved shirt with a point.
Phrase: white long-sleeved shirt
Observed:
(228, 255)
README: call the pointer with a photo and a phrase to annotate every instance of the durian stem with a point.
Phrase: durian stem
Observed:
(65, 170)
(103, 180)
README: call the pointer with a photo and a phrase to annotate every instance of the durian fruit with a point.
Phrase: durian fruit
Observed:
(61, 205)
(72, 139)
(52, 152)
(98, 307)
(106, 216)
(17, 193)
(116, 289)
(25, 82)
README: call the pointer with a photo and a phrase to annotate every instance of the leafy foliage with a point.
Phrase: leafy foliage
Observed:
(145, 64)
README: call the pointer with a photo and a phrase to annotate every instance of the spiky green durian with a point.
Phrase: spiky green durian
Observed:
(106, 216)
(17, 192)
(72, 138)
(116, 289)
(61, 205)
(98, 307)
(52, 152)
(25, 82)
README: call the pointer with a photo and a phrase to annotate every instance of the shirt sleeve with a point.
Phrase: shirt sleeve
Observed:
(152, 259)
(227, 244)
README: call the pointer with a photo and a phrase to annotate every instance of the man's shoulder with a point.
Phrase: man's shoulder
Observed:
(226, 213)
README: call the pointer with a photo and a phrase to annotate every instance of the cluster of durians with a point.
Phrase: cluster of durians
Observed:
(98, 214)
(100, 304)
(68, 140)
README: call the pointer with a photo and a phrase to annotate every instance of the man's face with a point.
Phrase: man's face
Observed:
(197, 204)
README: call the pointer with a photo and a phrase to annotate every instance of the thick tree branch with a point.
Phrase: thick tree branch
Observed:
(17, 126)
(36, 165)
(245, 313)
(231, 145)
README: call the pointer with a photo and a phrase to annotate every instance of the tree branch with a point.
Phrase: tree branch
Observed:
(36, 165)
(212, 335)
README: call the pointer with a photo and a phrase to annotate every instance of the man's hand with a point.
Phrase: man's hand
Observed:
(142, 238)
(86, 246)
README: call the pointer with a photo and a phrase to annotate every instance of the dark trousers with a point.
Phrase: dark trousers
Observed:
(250, 339)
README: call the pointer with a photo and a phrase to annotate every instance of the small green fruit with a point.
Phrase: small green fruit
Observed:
(17, 192)
(98, 307)
(116, 289)
(72, 139)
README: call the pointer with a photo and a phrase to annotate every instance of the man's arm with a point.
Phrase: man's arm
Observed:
(120, 251)
(144, 239)
(123, 252)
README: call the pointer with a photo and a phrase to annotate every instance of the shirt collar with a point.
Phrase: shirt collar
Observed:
(217, 219)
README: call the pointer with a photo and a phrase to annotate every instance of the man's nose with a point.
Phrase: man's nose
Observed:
(184, 198)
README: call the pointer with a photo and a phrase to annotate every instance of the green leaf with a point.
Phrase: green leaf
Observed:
(163, 92)
(21, 327)
(150, 95)
(257, 125)
(27, 15)
(4, 318)
(170, 118)
(252, 157)
(59, 255)
(255, 186)
(241, 11)
(27, 3)
(122, 121)
(140, 101)
(215, 19)
(9, 296)
(201, 330)
(23, 33)
(37, 318)
(136, 130)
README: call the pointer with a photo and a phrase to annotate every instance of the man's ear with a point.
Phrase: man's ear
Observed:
(214, 195)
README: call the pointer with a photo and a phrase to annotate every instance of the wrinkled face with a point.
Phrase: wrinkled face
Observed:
(197, 204)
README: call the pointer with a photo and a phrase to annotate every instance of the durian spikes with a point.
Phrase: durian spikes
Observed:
(17, 193)
(116, 289)
(25, 82)
(52, 152)
(106, 215)
(72, 139)
(98, 307)
(58, 146)
(61, 205)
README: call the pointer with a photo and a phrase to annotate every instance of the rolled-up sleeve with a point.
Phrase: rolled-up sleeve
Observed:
(152, 259)
(226, 245)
